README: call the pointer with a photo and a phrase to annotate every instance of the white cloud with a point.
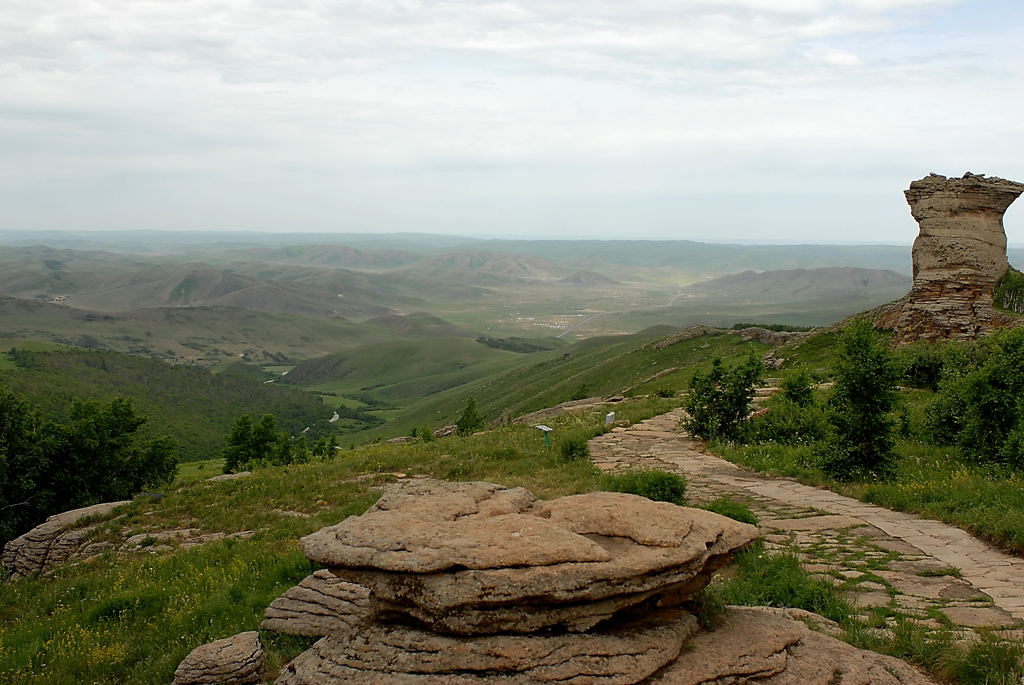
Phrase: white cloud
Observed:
(473, 99)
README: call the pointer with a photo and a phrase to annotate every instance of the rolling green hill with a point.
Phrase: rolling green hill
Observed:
(628, 364)
(404, 370)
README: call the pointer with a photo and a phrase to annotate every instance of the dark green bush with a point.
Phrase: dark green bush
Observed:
(862, 442)
(574, 448)
(581, 392)
(922, 363)
(738, 511)
(659, 486)
(719, 400)
(981, 400)
(665, 392)
(788, 423)
(798, 387)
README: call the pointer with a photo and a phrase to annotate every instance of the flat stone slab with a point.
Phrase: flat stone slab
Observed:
(812, 523)
(391, 654)
(979, 617)
(868, 600)
(929, 587)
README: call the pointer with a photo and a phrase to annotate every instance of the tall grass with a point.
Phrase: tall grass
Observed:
(130, 618)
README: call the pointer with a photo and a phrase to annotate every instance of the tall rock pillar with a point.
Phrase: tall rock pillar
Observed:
(959, 256)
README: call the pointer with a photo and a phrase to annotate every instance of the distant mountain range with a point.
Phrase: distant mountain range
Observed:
(786, 285)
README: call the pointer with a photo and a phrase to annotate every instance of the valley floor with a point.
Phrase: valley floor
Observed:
(889, 564)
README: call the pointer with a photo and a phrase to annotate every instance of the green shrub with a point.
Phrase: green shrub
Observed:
(251, 445)
(798, 387)
(470, 421)
(665, 392)
(574, 448)
(788, 423)
(981, 400)
(581, 392)
(921, 363)
(96, 455)
(738, 511)
(862, 443)
(659, 486)
(719, 400)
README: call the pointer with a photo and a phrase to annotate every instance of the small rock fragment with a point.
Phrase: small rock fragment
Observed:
(235, 660)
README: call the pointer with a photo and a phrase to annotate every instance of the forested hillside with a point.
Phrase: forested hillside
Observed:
(195, 406)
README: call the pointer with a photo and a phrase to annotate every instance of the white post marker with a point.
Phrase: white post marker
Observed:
(547, 430)
(609, 418)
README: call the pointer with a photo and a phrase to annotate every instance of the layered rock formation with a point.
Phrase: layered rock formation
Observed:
(475, 582)
(755, 644)
(959, 257)
(470, 583)
(237, 660)
(53, 542)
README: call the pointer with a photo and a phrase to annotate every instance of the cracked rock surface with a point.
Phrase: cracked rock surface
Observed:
(235, 660)
(52, 542)
(756, 645)
(512, 563)
(320, 605)
(628, 652)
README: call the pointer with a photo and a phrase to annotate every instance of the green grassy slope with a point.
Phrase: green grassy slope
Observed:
(388, 368)
(594, 367)
(194, 406)
(130, 618)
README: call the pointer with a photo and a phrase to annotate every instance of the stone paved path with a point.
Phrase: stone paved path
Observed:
(887, 562)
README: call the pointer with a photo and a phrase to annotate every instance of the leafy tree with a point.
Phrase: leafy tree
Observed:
(237, 451)
(96, 456)
(23, 466)
(981, 400)
(719, 400)
(255, 444)
(471, 420)
(798, 387)
(861, 409)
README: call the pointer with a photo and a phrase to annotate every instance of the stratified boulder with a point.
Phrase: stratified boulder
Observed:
(235, 660)
(753, 644)
(959, 257)
(624, 653)
(320, 605)
(52, 542)
(477, 558)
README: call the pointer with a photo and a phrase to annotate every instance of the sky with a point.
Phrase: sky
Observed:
(728, 120)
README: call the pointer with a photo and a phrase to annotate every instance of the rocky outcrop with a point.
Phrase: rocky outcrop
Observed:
(235, 660)
(757, 333)
(475, 582)
(477, 558)
(472, 583)
(53, 542)
(320, 605)
(754, 644)
(959, 257)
